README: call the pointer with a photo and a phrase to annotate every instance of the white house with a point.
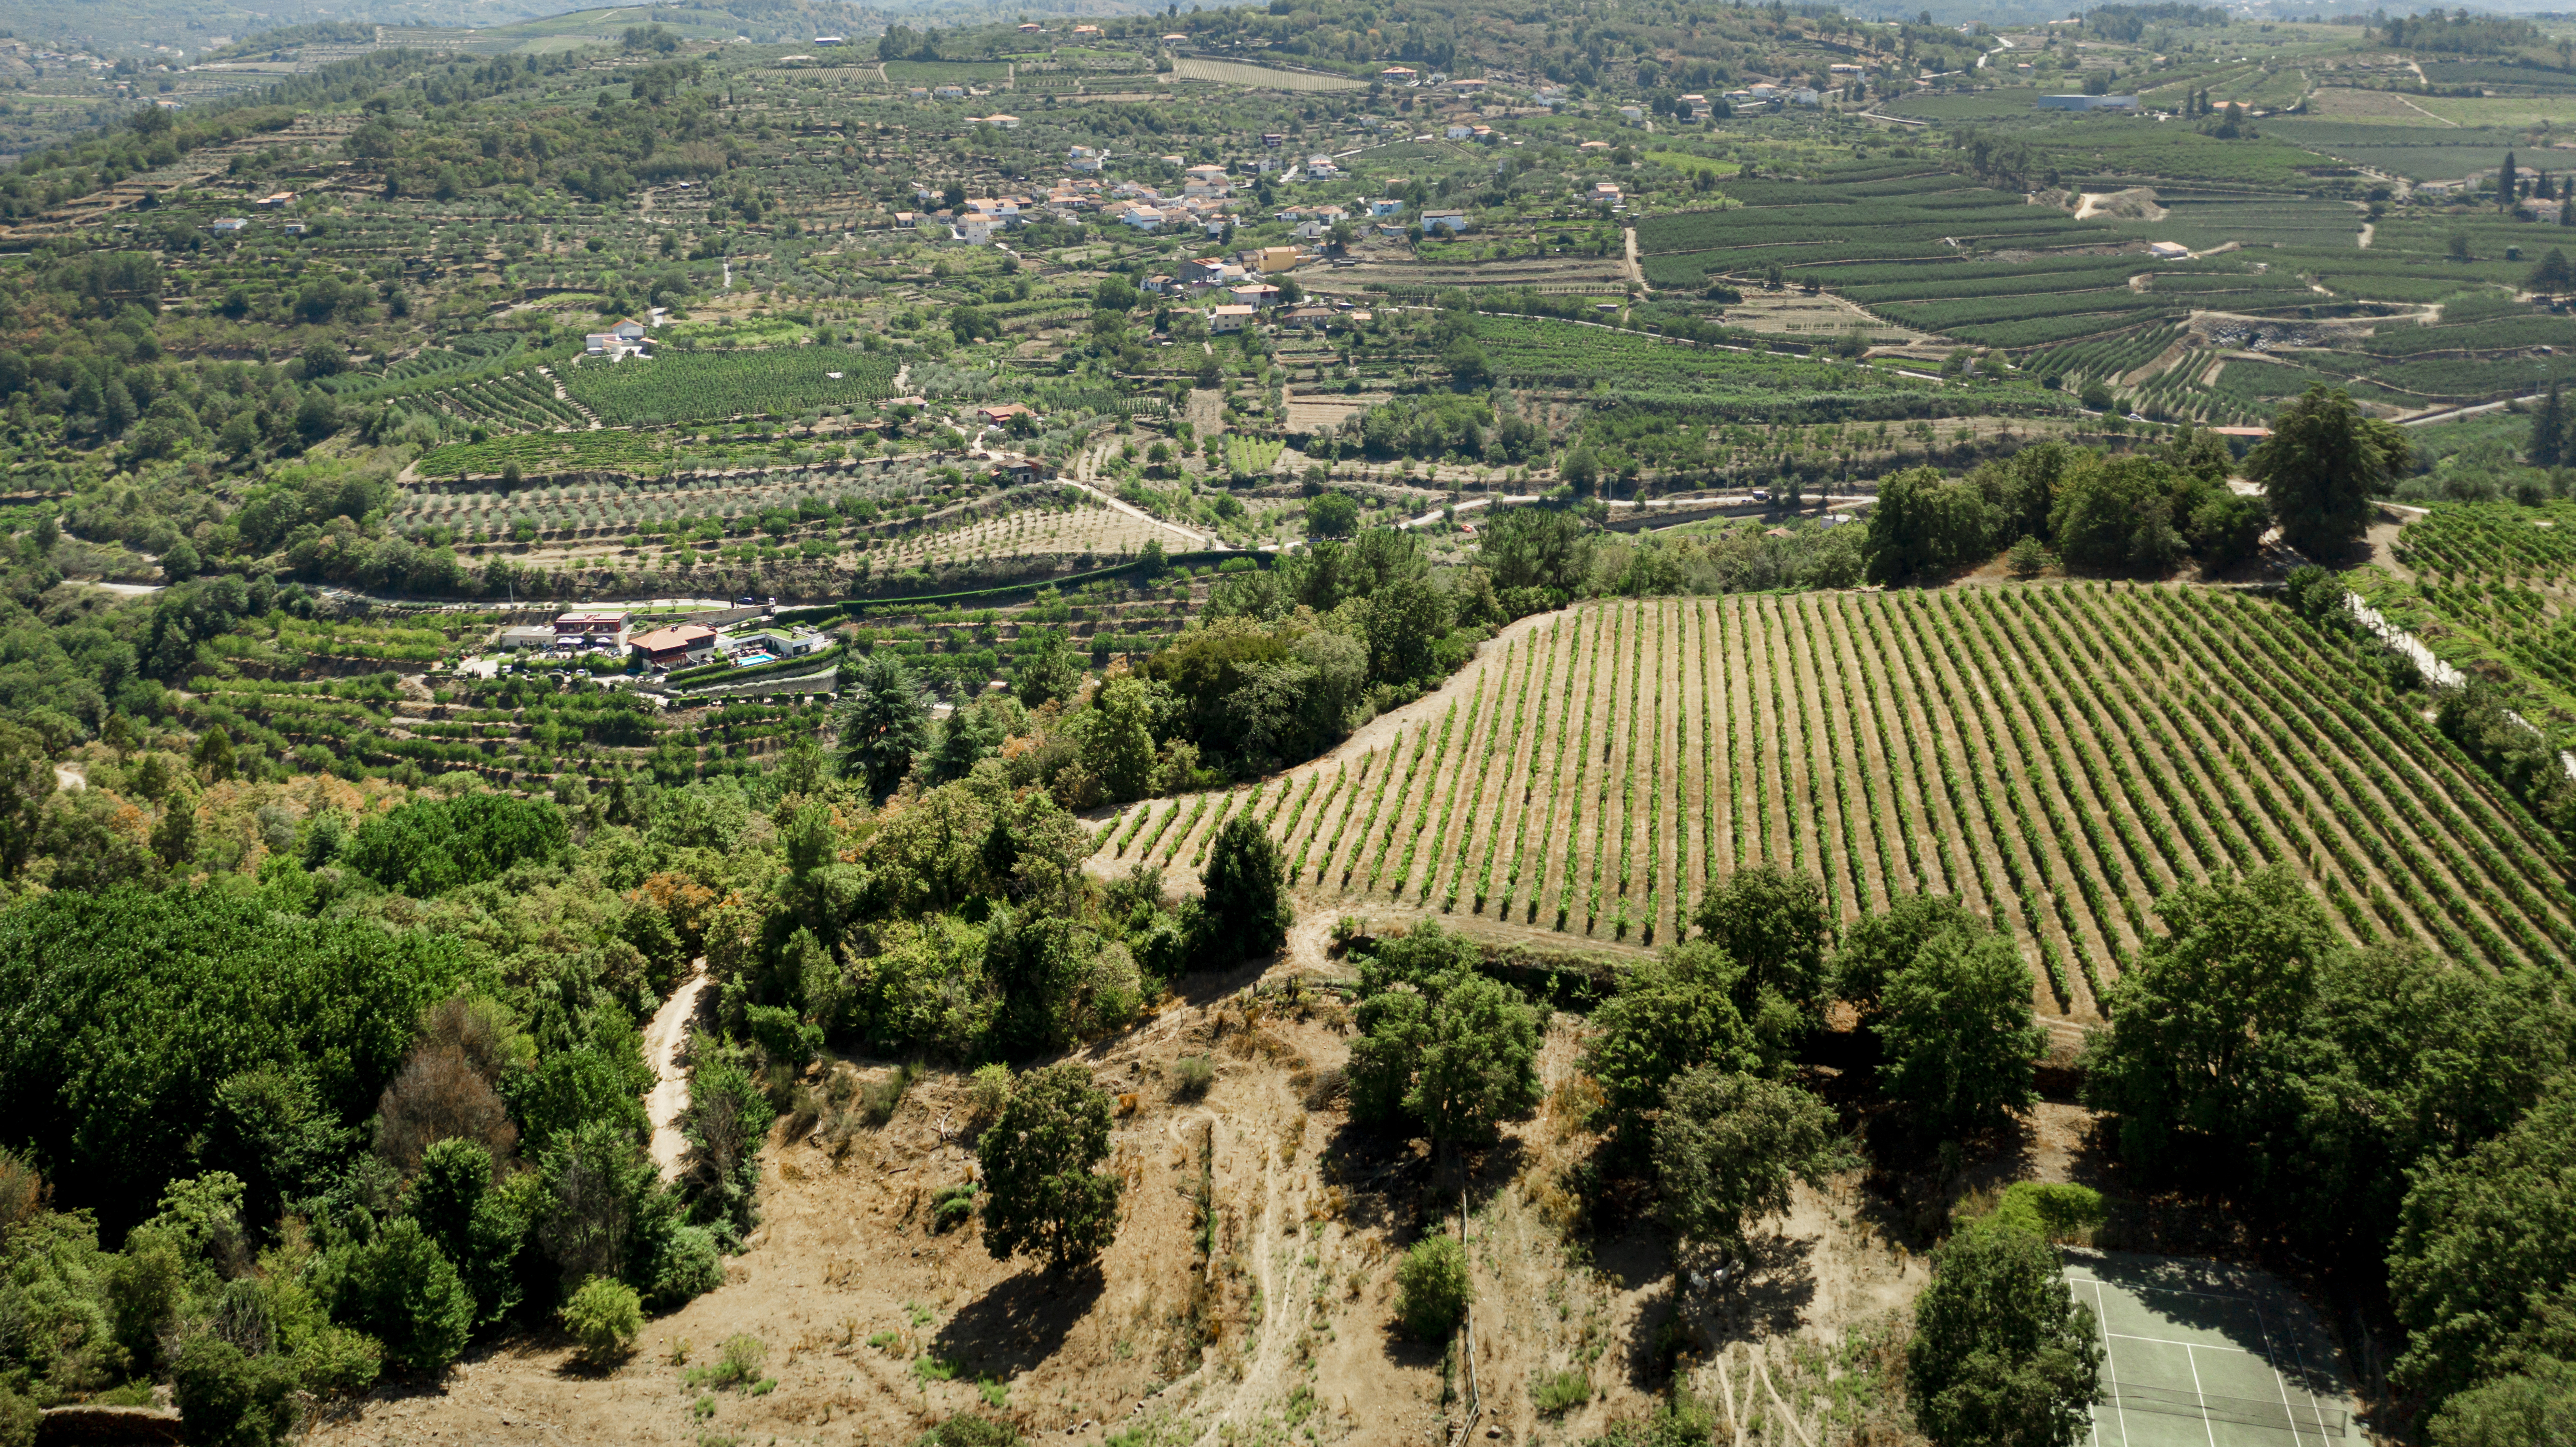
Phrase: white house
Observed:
(1459, 131)
(1144, 218)
(1084, 158)
(227, 223)
(1229, 318)
(1452, 222)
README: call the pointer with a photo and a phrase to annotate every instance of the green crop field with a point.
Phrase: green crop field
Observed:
(692, 386)
(2058, 755)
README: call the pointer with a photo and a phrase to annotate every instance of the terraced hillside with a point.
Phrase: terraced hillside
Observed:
(2057, 756)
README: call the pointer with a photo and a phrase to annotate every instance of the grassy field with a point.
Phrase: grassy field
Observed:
(1594, 773)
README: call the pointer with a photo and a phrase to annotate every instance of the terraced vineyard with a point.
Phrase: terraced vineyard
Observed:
(2057, 756)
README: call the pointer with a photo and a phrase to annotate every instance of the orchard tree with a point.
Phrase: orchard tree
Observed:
(2321, 466)
(1044, 1194)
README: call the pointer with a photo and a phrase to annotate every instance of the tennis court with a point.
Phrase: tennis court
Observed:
(2199, 1354)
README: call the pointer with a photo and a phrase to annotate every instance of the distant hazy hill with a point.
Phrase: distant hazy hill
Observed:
(196, 27)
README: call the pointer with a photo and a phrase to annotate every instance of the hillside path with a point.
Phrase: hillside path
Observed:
(663, 1041)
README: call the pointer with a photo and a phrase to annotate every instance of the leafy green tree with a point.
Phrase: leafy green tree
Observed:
(1773, 925)
(1875, 947)
(2484, 1253)
(1114, 293)
(2002, 1355)
(2406, 1059)
(398, 1287)
(2224, 528)
(1405, 618)
(122, 1014)
(1458, 1054)
(1246, 898)
(2115, 514)
(1044, 1193)
(1332, 515)
(1728, 1145)
(431, 845)
(26, 782)
(886, 723)
(1671, 1015)
(1960, 1041)
(573, 1087)
(1050, 673)
(599, 1203)
(604, 1317)
(2201, 1025)
(1118, 737)
(2321, 466)
(474, 1223)
(2548, 445)
(1433, 1288)
(1539, 558)
(2535, 1407)
(19, 1419)
(1925, 524)
(227, 1399)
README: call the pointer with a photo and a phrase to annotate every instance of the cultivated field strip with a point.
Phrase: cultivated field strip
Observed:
(2056, 755)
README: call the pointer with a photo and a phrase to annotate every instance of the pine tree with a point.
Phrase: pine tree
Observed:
(2549, 431)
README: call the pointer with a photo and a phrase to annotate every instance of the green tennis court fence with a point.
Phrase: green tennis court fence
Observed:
(2249, 1411)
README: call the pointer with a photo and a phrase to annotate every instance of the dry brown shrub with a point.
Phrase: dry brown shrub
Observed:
(23, 1193)
(686, 902)
(438, 1095)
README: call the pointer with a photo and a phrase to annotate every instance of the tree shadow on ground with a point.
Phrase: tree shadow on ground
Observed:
(1387, 1180)
(1760, 1292)
(1020, 1323)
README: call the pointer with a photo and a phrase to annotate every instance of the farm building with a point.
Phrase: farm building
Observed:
(672, 647)
(600, 627)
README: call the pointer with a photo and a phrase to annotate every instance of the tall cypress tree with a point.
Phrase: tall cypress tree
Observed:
(2549, 431)
(2505, 184)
